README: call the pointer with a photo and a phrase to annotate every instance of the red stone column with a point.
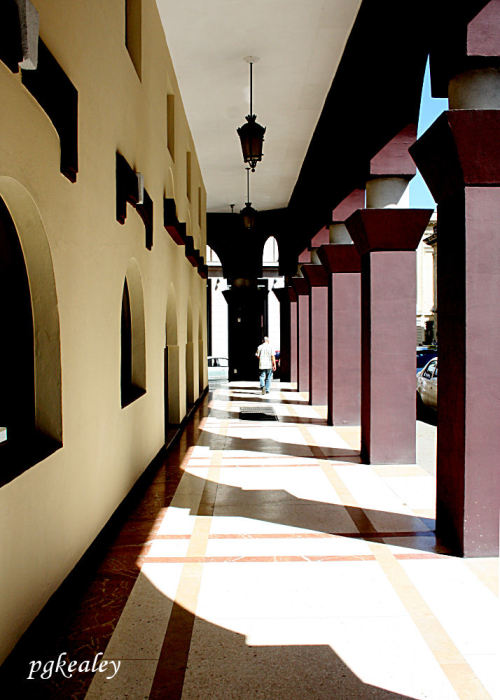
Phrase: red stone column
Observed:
(317, 280)
(343, 266)
(386, 240)
(293, 335)
(302, 291)
(284, 300)
(459, 157)
(386, 235)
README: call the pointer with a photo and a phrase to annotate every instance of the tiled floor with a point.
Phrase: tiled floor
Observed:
(265, 561)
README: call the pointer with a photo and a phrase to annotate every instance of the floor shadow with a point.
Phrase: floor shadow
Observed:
(302, 420)
(220, 660)
(297, 420)
(281, 507)
(270, 446)
(260, 397)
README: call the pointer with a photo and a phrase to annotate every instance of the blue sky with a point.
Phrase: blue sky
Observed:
(430, 109)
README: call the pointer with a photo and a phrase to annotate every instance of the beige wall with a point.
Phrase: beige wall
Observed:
(50, 514)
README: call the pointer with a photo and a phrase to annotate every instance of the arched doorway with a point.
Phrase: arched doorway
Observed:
(30, 401)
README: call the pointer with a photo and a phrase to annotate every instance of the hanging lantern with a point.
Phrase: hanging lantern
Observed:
(251, 134)
(248, 213)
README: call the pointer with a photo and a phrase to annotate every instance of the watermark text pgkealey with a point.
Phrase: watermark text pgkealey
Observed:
(67, 668)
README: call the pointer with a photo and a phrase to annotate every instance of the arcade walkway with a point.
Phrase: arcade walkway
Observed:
(264, 561)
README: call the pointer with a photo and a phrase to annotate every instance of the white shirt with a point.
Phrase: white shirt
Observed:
(265, 353)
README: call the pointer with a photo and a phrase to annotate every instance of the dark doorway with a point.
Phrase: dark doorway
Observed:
(17, 396)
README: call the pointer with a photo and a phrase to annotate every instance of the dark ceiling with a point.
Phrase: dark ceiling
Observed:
(375, 93)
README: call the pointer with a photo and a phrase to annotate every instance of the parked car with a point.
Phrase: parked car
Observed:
(427, 385)
(424, 354)
(218, 367)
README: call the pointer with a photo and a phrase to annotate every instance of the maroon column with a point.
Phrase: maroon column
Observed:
(343, 266)
(284, 300)
(459, 157)
(317, 280)
(386, 240)
(293, 334)
(302, 291)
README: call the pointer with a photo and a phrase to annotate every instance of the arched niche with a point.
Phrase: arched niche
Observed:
(133, 336)
(42, 287)
(174, 404)
(190, 356)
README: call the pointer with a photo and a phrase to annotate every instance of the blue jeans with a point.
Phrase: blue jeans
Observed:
(265, 376)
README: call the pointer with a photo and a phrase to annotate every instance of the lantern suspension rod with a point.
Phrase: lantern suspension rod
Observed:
(251, 87)
(248, 185)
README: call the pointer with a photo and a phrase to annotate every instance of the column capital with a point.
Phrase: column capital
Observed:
(339, 258)
(387, 229)
(300, 285)
(323, 236)
(315, 275)
(461, 148)
(393, 159)
(472, 41)
(355, 200)
(305, 256)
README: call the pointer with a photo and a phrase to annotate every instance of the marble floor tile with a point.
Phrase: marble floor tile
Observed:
(265, 561)
(133, 680)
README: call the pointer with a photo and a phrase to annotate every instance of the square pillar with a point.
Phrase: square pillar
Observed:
(302, 291)
(387, 240)
(317, 280)
(343, 266)
(293, 335)
(284, 300)
(459, 157)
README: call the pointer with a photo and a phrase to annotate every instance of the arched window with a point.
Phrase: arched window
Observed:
(271, 254)
(212, 256)
(132, 360)
(17, 395)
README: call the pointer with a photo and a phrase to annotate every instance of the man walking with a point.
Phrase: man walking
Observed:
(267, 365)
